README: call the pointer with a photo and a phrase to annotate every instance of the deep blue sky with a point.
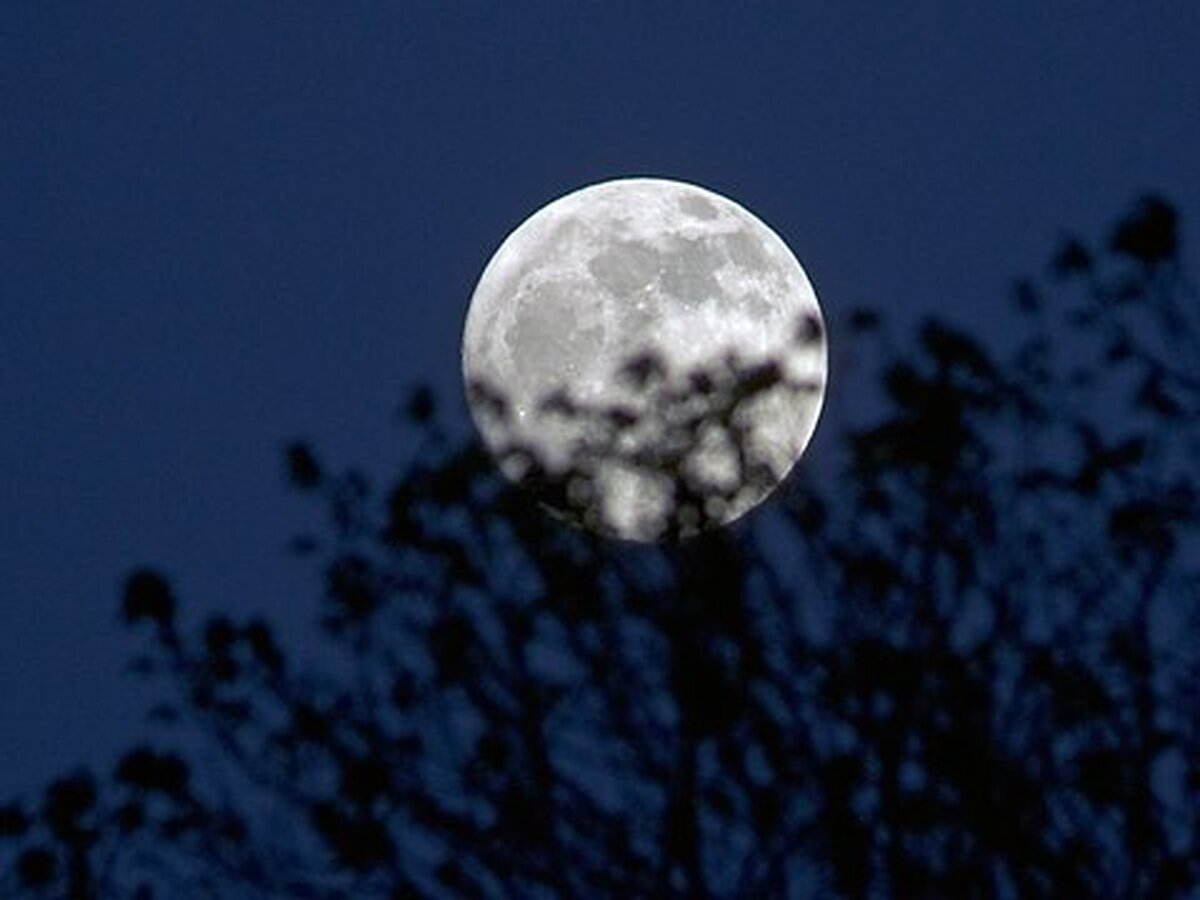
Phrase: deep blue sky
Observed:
(227, 224)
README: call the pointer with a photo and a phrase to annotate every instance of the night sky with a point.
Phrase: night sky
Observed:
(231, 224)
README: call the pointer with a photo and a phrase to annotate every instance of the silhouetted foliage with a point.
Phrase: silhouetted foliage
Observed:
(147, 596)
(954, 657)
(303, 469)
(685, 451)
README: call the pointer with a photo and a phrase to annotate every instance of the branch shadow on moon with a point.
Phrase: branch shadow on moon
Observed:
(680, 453)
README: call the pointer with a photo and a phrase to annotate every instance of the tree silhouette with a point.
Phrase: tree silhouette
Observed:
(961, 664)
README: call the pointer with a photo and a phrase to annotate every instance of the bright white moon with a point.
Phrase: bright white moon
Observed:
(701, 296)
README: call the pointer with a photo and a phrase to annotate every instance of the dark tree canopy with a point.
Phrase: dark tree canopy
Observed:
(955, 657)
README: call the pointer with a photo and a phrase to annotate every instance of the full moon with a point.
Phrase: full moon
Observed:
(647, 356)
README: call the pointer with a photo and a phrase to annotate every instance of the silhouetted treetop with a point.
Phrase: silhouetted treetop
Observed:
(954, 659)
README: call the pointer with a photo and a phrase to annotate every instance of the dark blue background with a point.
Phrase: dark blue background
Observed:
(227, 224)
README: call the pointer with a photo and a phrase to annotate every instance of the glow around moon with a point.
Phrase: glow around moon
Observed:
(610, 350)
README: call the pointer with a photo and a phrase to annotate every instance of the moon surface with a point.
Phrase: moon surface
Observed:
(611, 346)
